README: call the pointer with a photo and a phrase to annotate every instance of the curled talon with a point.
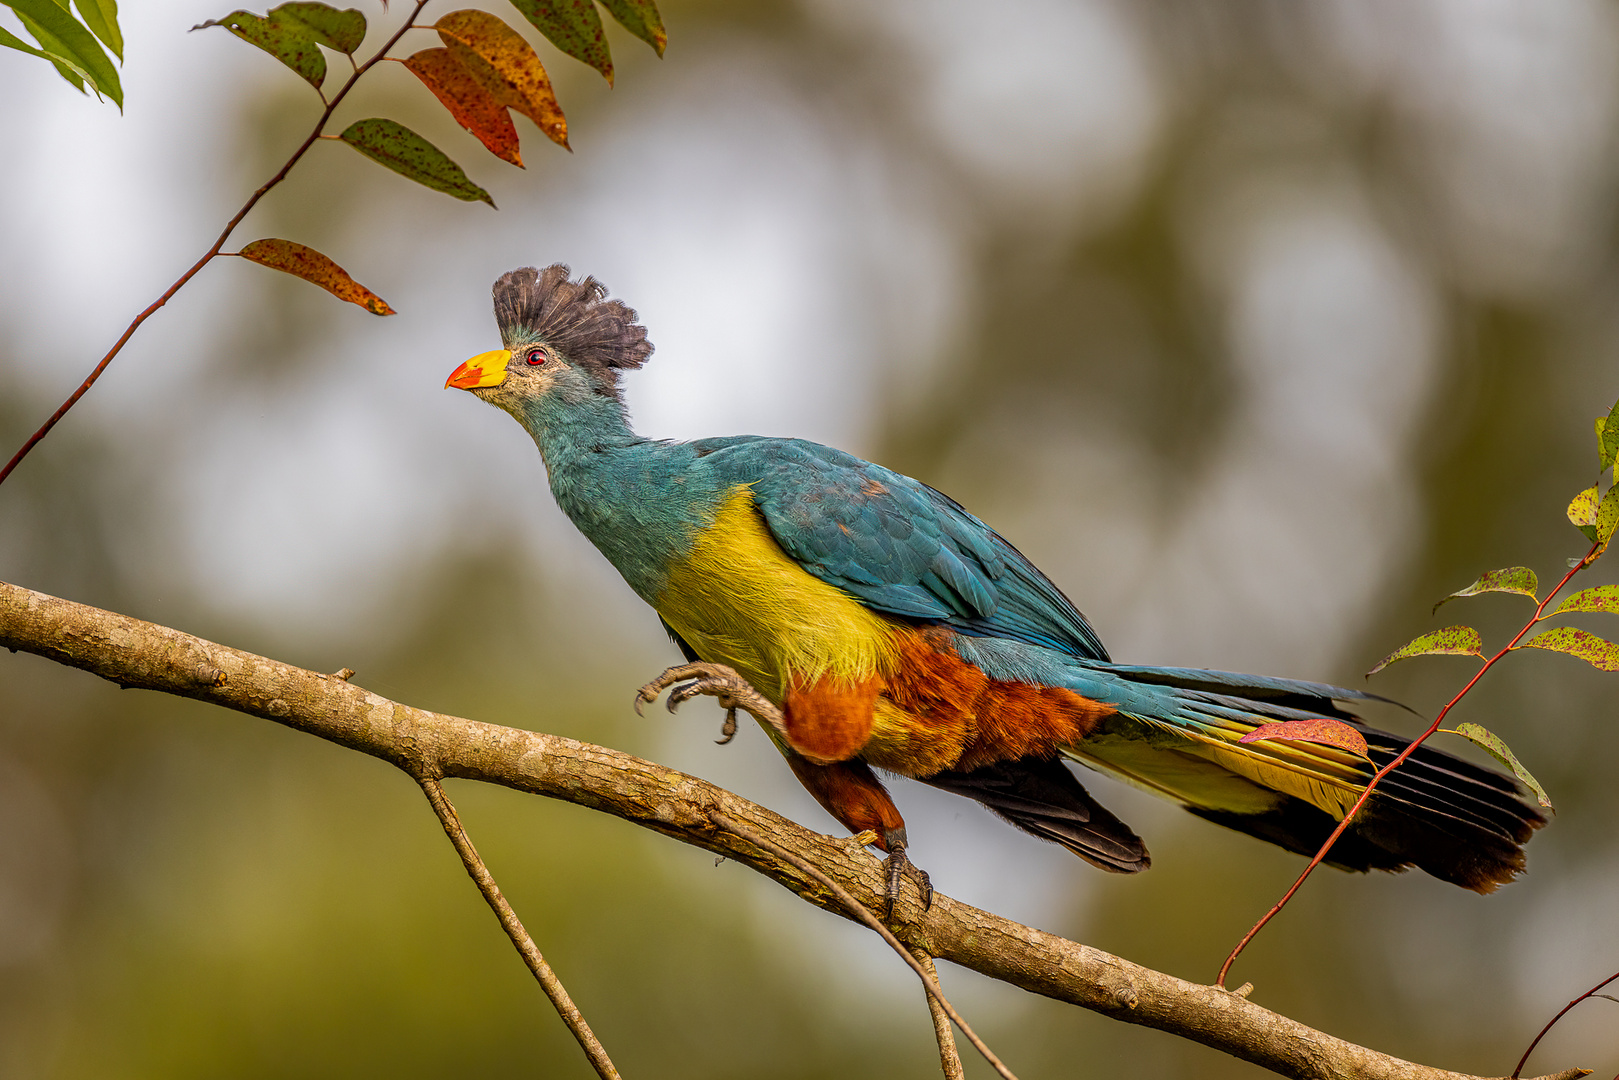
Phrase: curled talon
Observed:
(899, 866)
(727, 729)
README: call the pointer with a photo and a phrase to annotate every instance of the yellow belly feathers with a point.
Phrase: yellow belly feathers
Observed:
(739, 599)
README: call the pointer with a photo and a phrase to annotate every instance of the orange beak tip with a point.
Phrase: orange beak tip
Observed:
(485, 369)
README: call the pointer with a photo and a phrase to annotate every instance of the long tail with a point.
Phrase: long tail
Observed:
(1176, 734)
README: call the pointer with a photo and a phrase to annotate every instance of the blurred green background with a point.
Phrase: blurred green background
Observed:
(1258, 326)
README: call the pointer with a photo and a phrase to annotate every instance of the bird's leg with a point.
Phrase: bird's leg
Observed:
(899, 866)
(731, 690)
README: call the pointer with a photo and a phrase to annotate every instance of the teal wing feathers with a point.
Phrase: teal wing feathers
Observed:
(898, 545)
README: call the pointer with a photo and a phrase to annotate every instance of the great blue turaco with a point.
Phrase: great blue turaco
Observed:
(871, 623)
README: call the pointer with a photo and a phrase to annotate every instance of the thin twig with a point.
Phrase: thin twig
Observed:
(513, 926)
(1549, 1024)
(949, 1058)
(1225, 968)
(858, 910)
(212, 252)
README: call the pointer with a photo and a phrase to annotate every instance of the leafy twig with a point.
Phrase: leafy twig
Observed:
(1276, 908)
(212, 253)
(513, 926)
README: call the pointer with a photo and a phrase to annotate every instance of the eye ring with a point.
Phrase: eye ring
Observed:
(535, 357)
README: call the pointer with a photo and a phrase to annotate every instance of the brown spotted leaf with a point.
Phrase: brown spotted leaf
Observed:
(1324, 731)
(498, 57)
(1600, 598)
(1598, 652)
(289, 42)
(1501, 752)
(313, 267)
(641, 18)
(1514, 579)
(1451, 641)
(1582, 511)
(572, 26)
(408, 154)
(472, 105)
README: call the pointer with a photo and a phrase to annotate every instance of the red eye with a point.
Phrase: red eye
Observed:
(535, 356)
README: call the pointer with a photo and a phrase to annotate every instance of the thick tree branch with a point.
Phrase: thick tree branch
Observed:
(133, 653)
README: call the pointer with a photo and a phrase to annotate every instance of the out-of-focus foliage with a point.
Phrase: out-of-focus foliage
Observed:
(1257, 326)
(70, 44)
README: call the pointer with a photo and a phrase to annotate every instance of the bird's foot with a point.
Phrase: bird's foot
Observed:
(899, 866)
(731, 690)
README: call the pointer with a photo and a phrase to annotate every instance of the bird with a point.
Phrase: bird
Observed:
(872, 625)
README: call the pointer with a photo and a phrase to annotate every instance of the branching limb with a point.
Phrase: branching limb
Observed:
(513, 926)
(930, 980)
(133, 653)
(949, 1060)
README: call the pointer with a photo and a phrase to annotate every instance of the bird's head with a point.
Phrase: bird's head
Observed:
(564, 342)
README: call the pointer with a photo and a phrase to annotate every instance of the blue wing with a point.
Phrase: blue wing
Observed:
(903, 548)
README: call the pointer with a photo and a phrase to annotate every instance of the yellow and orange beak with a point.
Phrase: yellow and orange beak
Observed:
(485, 369)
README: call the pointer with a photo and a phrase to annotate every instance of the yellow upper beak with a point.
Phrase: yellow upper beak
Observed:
(485, 369)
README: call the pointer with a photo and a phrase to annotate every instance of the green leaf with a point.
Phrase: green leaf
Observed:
(1598, 652)
(101, 16)
(572, 26)
(1608, 436)
(340, 30)
(1607, 516)
(289, 41)
(1324, 731)
(1451, 641)
(1600, 598)
(1582, 511)
(315, 268)
(60, 34)
(1514, 579)
(67, 70)
(1499, 750)
(410, 155)
(641, 18)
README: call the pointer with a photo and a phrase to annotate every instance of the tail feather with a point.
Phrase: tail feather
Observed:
(1177, 734)
(1046, 800)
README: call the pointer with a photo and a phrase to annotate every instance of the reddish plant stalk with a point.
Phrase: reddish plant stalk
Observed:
(213, 252)
(1550, 1023)
(1390, 767)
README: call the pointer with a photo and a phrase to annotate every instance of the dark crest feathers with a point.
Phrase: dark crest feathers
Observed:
(573, 317)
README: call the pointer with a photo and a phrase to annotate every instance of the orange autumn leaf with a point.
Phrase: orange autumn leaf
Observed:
(468, 100)
(313, 267)
(507, 66)
(1324, 731)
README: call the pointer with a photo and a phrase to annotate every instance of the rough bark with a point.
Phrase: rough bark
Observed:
(139, 654)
